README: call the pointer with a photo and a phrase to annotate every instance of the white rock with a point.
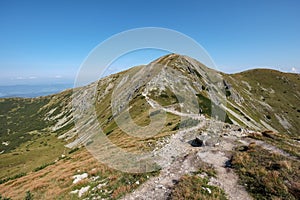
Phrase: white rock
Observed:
(74, 192)
(79, 177)
(217, 144)
(208, 190)
(94, 178)
(5, 143)
(160, 187)
(83, 190)
(101, 185)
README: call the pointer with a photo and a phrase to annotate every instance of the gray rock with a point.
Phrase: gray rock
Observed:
(197, 142)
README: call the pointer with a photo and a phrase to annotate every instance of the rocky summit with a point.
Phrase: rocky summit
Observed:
(172, 129)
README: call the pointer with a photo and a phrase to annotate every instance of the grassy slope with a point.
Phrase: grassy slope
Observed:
(31, 142)
(55, 181)
(279, 90)
(267, 175)
(31, 154)
(32, 147)
(23, 118)
(18, 118)
(139, 112)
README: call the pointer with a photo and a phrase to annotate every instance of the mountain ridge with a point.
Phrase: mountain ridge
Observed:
(233, 99)
(233, 118)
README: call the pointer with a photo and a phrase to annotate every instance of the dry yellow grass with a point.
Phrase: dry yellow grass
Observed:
(52, 181)
(56, 181)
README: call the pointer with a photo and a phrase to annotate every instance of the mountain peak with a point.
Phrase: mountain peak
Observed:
(150, 117)
(170, 57)
(183, 63)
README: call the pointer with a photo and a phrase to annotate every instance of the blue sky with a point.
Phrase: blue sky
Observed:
(46, 41)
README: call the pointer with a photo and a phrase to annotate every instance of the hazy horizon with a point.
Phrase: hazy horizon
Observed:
(122, 63)
(45, 42)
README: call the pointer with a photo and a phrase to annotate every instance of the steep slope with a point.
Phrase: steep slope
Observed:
(155, 111)
(253, 100)
(183, 84)
(266, 99)
(175, 82)
(24, 118)
(28, 132)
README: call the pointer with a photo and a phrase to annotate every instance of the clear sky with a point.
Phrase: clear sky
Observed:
(48, 40)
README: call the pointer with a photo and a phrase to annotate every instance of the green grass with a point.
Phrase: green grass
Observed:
(31, 155)
(139, 114)
(267, 175)
(4, 198)
(32, 148)
(73, 150)
(43, 166)
(28, 196)
(12, 177)
(119, 185)
(194, 188)
(274, 88)
(187, 123)
(207, 106)
(64, 129)
(207, 169)
(166, 97)
(282, 141)
(19, 117)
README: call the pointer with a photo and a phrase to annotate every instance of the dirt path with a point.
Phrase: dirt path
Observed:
(179, 158)
(160, 187)
(154, 104)
(226, 178)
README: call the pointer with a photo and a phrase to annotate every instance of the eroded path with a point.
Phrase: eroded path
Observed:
(226, 178)
(160, 187)
(184, 159)
(180, 158)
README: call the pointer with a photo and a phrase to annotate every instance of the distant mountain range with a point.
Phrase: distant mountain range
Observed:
(30, 91)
